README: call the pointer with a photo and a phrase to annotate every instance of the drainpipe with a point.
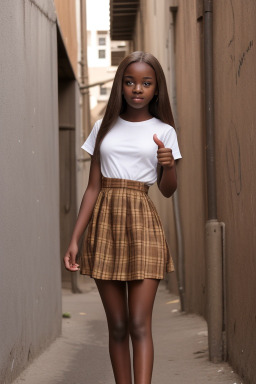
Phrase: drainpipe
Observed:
(181, 264)
(175, 198)
(213, 233)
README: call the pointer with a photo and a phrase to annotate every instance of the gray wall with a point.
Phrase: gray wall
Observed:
(30, 313)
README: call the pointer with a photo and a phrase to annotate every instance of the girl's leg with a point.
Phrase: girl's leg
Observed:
(114, 298)
(141, 296)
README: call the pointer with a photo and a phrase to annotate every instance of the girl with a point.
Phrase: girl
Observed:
(125, 250)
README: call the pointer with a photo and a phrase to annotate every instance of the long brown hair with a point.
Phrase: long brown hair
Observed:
(159, 106)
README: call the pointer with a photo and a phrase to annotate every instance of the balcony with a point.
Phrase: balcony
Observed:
(123, 19)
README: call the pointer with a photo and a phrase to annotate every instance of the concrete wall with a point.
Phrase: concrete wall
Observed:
(30, 316)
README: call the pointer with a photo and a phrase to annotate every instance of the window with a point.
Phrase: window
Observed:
(102, 53)
(103, 91)
(102, 40)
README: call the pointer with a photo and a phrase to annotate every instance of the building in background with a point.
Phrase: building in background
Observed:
(174, 31)
(44, 119)
(103, 56)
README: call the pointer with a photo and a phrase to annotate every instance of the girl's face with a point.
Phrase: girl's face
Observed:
(139, 85)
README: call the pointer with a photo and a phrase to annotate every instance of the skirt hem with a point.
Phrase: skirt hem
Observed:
(126, 278)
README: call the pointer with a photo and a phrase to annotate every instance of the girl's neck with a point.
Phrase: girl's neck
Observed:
(136, 115)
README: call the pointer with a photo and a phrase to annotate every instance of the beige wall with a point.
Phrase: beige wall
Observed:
(66, 13)
(151, 31)
(30, 283)
(235, 122)
(234, 70)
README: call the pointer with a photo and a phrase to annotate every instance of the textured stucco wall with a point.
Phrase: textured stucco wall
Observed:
(30, 315)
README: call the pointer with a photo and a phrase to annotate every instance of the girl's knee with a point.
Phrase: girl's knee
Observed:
(118, 331)
(139, 330)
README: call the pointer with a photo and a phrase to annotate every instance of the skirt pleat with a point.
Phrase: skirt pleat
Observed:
(125, 239)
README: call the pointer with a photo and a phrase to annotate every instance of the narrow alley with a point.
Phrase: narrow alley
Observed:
(80, 355)
(59, 59)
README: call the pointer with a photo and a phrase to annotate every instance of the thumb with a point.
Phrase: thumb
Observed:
(158, 142)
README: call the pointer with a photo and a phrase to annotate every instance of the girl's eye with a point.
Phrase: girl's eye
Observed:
(146, 84)
(129, 82)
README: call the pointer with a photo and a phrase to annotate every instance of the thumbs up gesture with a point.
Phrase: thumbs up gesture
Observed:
(164, 155)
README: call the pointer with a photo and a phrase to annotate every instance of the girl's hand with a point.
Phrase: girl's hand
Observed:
(164, 155)
(70, 258)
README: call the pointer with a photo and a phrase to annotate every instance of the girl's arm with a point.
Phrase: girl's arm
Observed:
(167, 179)
(85, 212)
(166, 170)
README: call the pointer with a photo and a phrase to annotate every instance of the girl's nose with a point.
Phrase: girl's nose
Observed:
(137, 88)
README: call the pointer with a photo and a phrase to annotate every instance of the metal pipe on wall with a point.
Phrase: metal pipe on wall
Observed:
(181, 266)
(177, 216)
(209, 103)
(213, 234)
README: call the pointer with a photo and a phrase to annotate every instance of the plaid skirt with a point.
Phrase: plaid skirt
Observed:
(125, 239)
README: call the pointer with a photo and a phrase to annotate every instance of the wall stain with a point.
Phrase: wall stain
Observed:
(243, 57)
(233, 24)
(29, 353)
(233, 158)
(232, 40)
(33, 2)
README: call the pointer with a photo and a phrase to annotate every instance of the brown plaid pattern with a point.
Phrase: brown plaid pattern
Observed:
(125, 239)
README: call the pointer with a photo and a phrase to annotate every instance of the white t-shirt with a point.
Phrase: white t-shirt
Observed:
(128, 151)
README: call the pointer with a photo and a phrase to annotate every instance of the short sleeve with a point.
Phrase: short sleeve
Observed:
(89, 143)
(170, 141)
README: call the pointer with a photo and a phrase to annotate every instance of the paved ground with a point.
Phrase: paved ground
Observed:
(80, 355)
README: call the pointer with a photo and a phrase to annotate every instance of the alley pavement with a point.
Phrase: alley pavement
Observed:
(80, 355)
